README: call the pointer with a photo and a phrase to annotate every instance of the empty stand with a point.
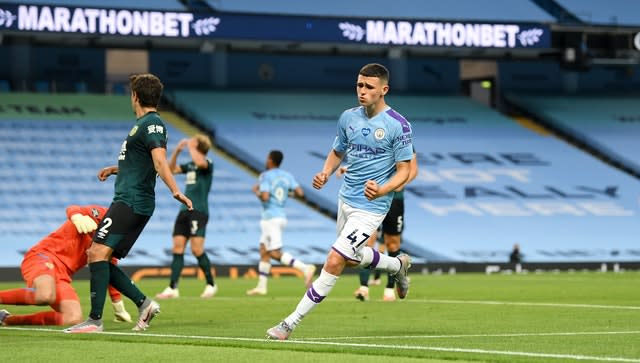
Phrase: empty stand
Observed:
(45, 165)
(609, 125)
(485, 181)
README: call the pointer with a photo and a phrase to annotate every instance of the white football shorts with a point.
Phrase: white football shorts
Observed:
(271, 232)
(354, 226)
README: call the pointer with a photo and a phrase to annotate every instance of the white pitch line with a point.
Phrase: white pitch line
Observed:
(440, 301)
(362, 345)
(504, 335)
(555, 305)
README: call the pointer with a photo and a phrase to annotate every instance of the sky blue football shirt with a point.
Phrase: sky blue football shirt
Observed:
(278, 183)
(371, 147)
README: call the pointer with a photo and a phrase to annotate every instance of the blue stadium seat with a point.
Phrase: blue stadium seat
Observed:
(485, 181)
(606, 123)
(40, 179)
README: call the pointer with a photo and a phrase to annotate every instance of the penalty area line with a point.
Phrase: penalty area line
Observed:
(358, 345)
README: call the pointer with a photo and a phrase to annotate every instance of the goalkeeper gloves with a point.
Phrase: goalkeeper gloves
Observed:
(84, 224)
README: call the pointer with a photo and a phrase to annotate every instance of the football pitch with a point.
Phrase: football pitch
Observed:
(535, 317)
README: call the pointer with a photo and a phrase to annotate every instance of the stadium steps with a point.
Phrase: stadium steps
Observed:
(532, 125)
(180, 123)
(567, 135)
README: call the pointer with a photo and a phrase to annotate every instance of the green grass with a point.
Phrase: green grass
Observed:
(562, 317)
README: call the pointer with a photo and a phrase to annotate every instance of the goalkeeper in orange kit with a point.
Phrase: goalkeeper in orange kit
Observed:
(47, 269)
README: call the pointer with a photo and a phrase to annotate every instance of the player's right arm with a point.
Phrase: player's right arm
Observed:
(173, 160)
(104, 173)
(160, 163)
(331, 163)
(263, 195)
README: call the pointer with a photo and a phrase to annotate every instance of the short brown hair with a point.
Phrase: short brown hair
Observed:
(375, 70)
(147, 87)
(204, 144)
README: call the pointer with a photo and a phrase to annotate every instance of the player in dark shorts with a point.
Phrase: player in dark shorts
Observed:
(143, 156)
(191, 225)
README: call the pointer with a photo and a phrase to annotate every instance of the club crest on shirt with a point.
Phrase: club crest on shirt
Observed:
(133, 131)
(366, 131)
(379, 134)
(95, 213)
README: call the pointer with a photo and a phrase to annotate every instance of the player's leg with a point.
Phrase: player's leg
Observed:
(377, 274)
(67, 303)
(177, 264)
(286, 258)
(392, 242)
(264, 265)
(29, 295)
(197, 248)
(362, 292)
(198, 231)
(180, 235)
(392, 228)
(147, 308)
(264, 268)
(19, 296)
(397, 266)
(319, 289)
(38, 270)
(120, 313)
(115, 236)
(98, 257)
(344, 252)
(66, 309)
(40, 274)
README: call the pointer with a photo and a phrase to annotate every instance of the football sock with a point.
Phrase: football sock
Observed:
(123, 283)
(320, 288)
(176, 269)
(288, 260)
(41, 318)
(364, 276)
(205, 266)
(375, 260)
(23, 296)
(391, 281)
(113, 293)
(264, 268)
(98, 287)
(377, 274)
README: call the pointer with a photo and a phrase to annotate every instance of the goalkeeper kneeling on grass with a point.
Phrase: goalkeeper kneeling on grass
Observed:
(47, 269)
